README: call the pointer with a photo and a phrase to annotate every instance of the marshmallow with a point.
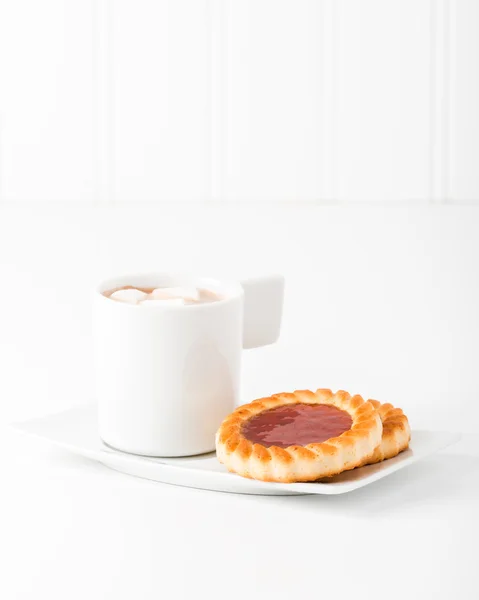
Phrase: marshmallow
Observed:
(130, 296)
(149, 301)
(186, 293)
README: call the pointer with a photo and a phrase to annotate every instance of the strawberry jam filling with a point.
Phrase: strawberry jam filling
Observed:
(296, 425)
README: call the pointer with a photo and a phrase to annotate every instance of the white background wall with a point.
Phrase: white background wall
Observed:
(239, 100)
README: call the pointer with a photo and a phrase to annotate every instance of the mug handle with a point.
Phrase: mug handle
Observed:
(263, 309)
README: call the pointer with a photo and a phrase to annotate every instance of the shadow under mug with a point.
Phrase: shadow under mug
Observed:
(166, 376)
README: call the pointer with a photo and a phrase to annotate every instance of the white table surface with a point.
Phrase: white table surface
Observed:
(70, 529)
(73, 529)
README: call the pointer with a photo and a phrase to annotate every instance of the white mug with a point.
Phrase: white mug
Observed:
(166, 376)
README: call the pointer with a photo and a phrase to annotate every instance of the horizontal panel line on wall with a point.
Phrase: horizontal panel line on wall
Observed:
(248, 203)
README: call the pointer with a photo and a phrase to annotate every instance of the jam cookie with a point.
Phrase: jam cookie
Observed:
(302, 436)
(396, 432)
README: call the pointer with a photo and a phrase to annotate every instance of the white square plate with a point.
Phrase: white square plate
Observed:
(76, 431)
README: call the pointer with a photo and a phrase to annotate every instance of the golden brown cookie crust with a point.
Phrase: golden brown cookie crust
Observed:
(396, 432)
(300, 463)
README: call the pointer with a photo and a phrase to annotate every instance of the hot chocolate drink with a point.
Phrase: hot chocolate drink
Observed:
(162, 296)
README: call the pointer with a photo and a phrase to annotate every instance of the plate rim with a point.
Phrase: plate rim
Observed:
(106, 455)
